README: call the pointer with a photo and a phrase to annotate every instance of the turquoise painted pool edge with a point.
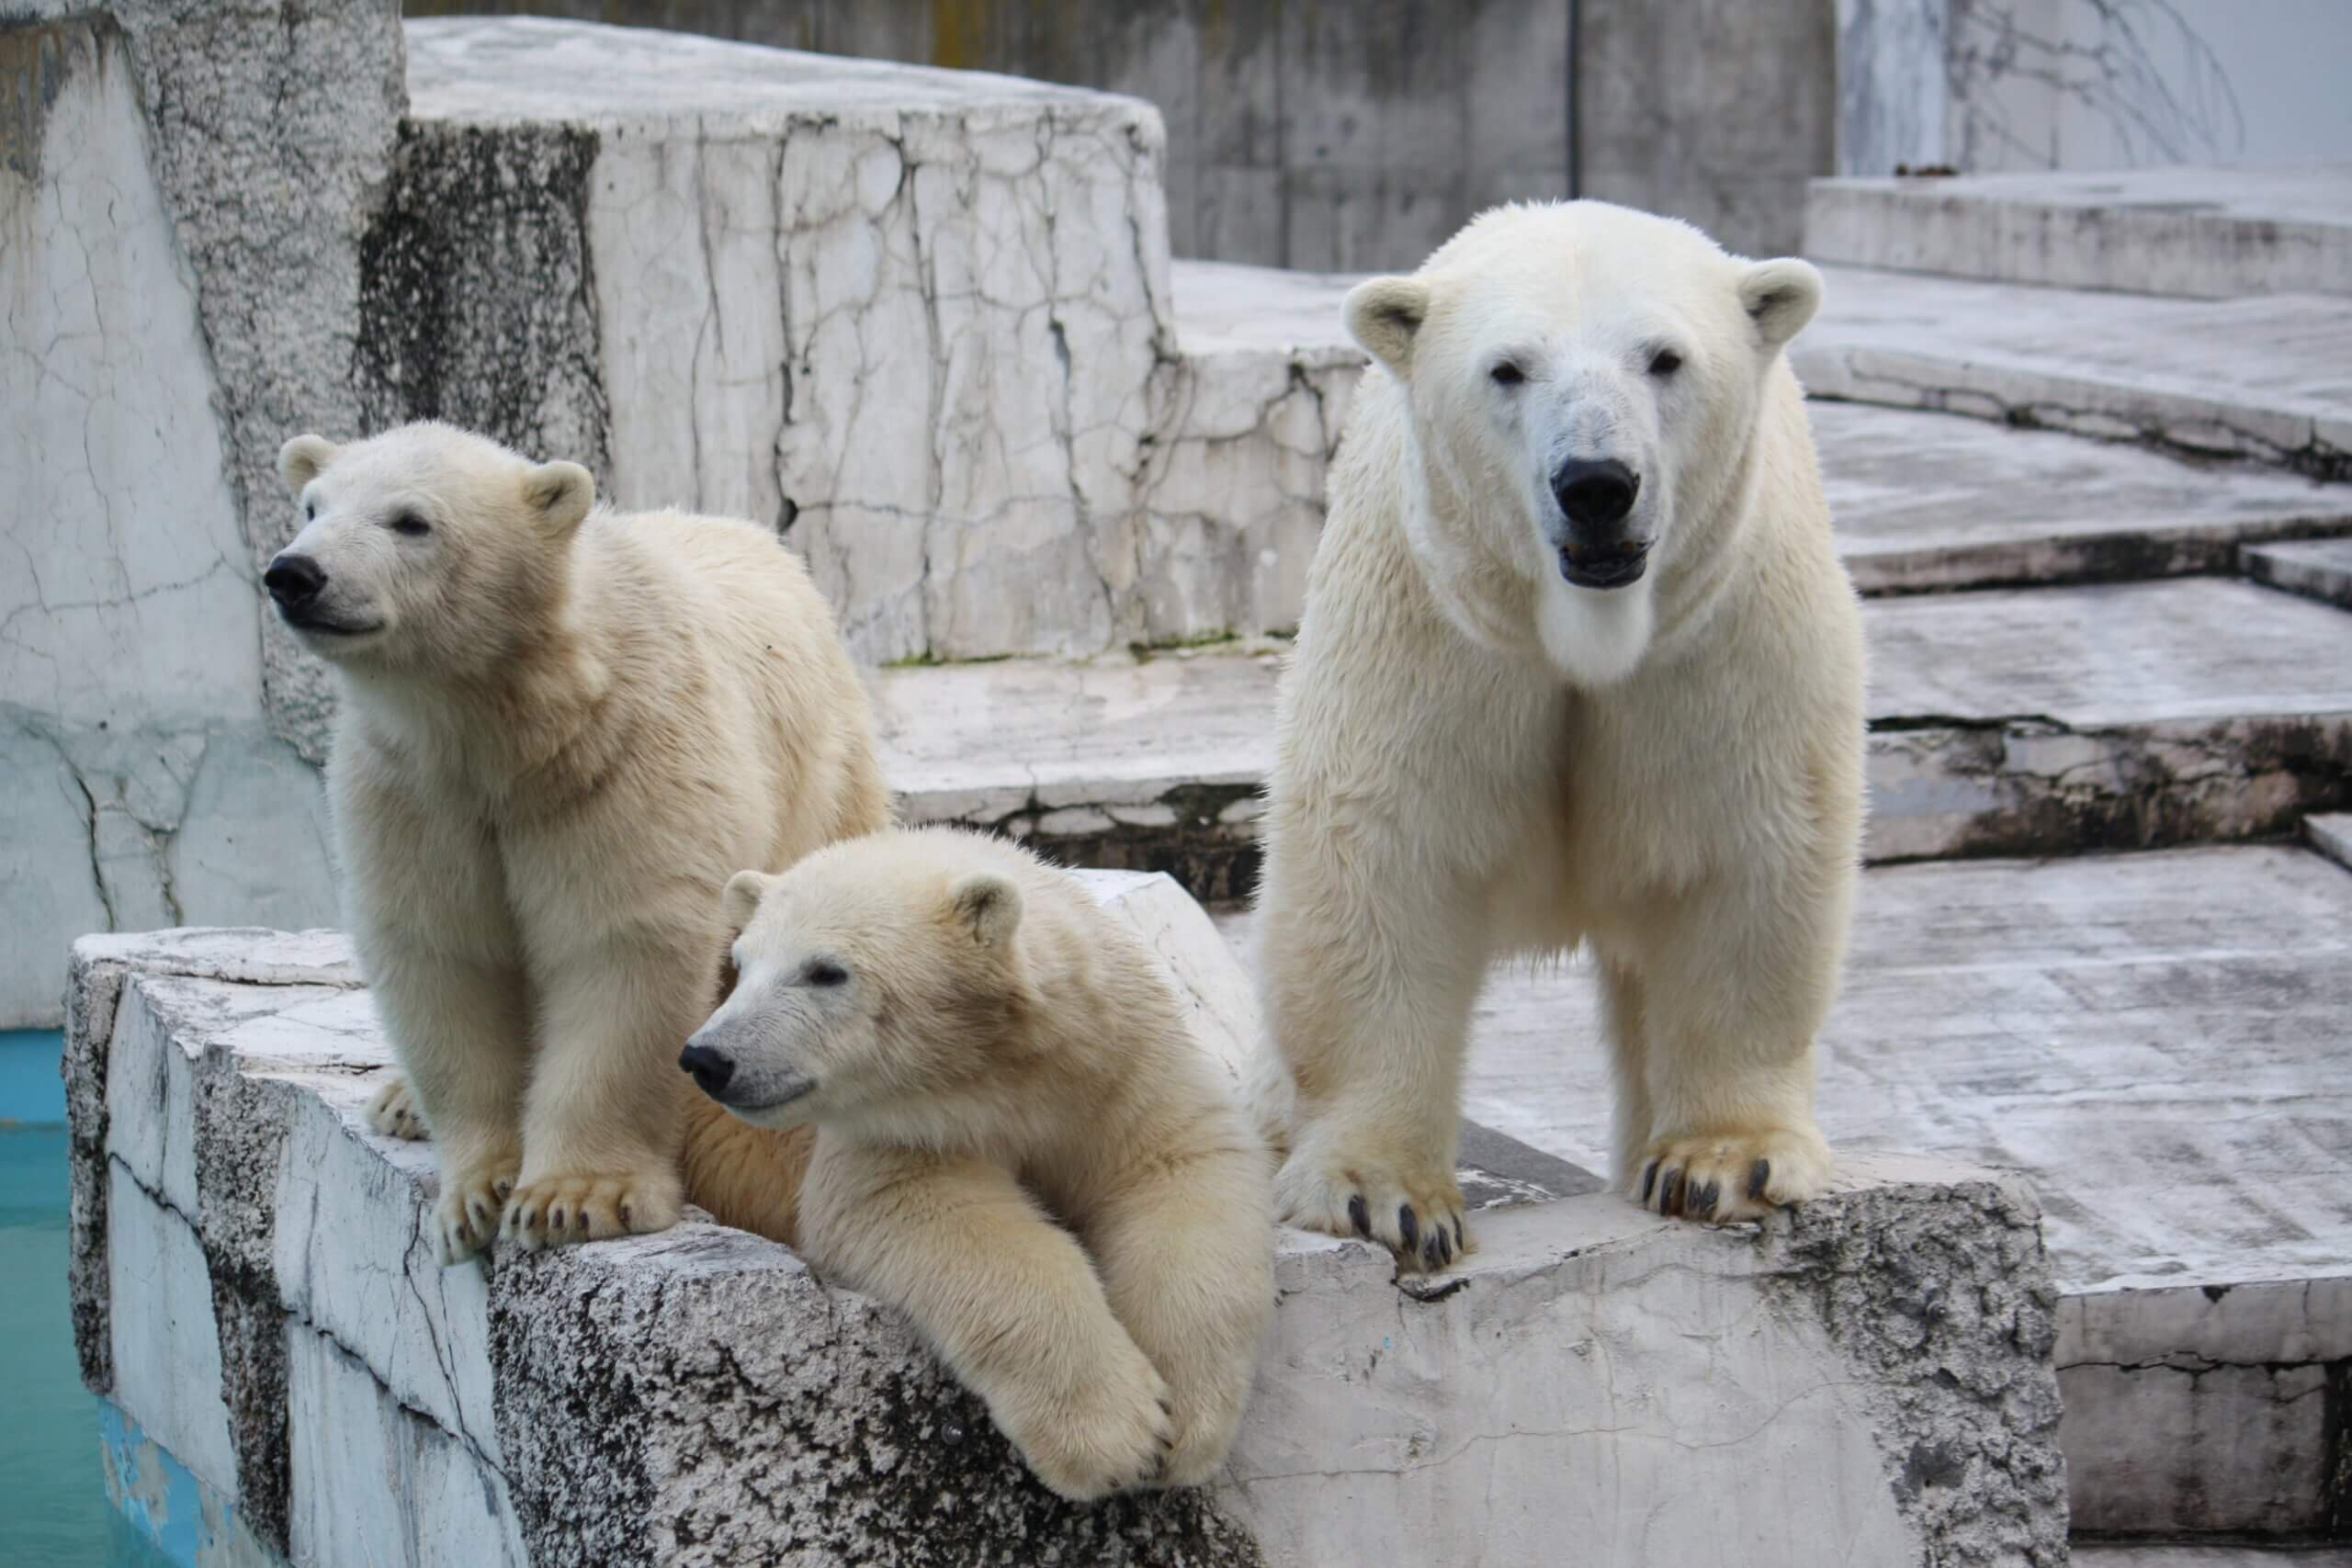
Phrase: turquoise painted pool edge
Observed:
(31, 1093)
(167, 1506)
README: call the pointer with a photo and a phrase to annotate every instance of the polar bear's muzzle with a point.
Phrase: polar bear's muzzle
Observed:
(719, 1071)
(1596, 499)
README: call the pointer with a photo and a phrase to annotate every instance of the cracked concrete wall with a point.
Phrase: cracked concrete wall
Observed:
(1991, 86)
(1871, 1373)
(175, 213)
(919, 320)
(2212, 1408)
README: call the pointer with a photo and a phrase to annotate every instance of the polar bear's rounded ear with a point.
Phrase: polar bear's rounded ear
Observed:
(559, 492)
(1383, 314)
(1779, 296)
(742, 899)
(988, 905)
(301, 460)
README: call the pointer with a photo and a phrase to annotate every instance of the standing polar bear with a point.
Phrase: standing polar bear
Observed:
(1578, 664)
(989, 1060)
(563, 729)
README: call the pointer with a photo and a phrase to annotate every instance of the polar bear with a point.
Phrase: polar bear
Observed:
(1018, 1142)
(562, 728)
(1578, 664)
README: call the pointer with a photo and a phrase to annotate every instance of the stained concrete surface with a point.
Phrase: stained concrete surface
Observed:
(2317, 568)
(2009, 721)
(1927, 502)
(2214, 231)
(2151, 1037)
(2269, 378)
(2133, 1554)
(2121, 654)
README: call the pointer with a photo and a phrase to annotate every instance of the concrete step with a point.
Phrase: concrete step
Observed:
(2156, 1040)
(2134, 1554)
(2211, 232)
(1924, 502)
(2317, 568)
(252, 1297)
(2268, 379)
(2018, 722)
(2331, 835)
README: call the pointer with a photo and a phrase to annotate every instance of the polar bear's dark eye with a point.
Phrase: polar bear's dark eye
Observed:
(409, 523)
(1665, 362)
(1507, 374)
(825, 972)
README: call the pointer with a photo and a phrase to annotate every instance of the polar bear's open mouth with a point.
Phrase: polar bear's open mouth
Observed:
(1613, 568)
(319, 628)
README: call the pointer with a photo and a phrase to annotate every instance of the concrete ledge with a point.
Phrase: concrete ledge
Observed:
(2209, 1409)
(1870, 1371)
(2212, 233)
(2316, 569)
(2125, 715)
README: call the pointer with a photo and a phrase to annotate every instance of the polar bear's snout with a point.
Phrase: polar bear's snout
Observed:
(710, 1067)
(727, 1060)
(294, 581)
(1596, 497)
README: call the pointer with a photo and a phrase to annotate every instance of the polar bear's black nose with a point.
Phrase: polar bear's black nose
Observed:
(711, 1069)
(294, 581)
(1595, 494)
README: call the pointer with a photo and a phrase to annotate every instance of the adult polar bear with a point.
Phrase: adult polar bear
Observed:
(1578, 664)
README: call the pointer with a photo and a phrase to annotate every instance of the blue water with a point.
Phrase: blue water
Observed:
(54, 1507)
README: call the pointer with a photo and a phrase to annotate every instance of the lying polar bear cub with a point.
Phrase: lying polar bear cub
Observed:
(1018, 1142)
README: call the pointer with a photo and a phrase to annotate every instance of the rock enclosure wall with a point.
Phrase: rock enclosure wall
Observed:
(918, 321)
(1872, 1372)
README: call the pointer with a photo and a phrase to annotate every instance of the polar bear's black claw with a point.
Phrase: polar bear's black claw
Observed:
(1649, 1180)
(1757, 1176)
(1702, 1207)
(1360, 1214)
(1670, 1193)
(1408, 1225)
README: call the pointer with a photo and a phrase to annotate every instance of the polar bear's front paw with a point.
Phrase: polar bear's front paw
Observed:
(1413, 1207)
(551, 1210)
(466, 1218)
(1722, 1177)
(395, 1112)
(1111, 1432)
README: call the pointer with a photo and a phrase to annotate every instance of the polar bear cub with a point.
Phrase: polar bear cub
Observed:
(1018, 1142)
(562, 729)
(1579, 665)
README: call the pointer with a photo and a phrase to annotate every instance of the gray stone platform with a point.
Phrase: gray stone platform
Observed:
(2035, 721)
(1926, 503)
(2265, 378)
(2156, 1040)
(2215, 232)
(2317, 568)
(252, 1292)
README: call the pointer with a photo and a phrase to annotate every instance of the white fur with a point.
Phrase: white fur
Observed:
(1017, 1141)
(562, 730)
(1477, 757)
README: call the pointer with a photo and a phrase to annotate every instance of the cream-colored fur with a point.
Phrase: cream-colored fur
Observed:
(563, 729)
(1018, 1143)
(1479, 758)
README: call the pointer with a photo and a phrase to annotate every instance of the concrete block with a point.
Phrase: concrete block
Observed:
(2025, 722)
(2316, 569)
(2209, 231)
(2207, 1409)
(2254, 378)
(697, 1397)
